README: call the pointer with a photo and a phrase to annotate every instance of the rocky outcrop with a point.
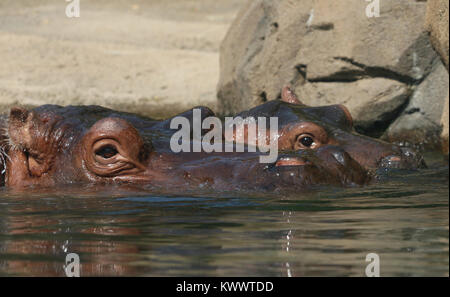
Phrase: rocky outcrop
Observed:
(436, 23)
(420, 121)
(437, 26)
(332, 52)
(373, 102)
(445, 124)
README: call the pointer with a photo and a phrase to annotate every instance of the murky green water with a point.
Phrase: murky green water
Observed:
(405, 220)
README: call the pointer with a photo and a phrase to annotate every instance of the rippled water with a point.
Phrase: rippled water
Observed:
(404, 219)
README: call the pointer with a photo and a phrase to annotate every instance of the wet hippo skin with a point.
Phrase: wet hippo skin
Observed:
(52, 145)
(303, 127)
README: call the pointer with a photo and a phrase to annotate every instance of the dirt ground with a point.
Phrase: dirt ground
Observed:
(154, 57)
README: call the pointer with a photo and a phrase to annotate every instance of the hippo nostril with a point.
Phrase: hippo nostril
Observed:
(412, 158)
(392, 161)
(407, 152)
(403, 158)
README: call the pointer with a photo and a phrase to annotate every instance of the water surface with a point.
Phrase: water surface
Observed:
(327, 232)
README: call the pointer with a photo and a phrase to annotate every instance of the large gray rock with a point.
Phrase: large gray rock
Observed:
(373, 102)
(329, 51)
(420, 122)
(436, 23)
(437, 26)
(445, 124)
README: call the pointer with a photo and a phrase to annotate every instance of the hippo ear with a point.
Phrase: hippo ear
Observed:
(19, 125)
(287, 95)
(18, 114)
(18, 118)
(347, 113)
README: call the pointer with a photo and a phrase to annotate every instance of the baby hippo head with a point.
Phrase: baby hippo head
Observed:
(302, 127)
(54, 145)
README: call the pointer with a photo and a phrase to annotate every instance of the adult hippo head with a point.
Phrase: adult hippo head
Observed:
(53, 145)
(303, 128)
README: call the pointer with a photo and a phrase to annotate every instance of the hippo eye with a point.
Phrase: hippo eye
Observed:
(107, 152)
(306, 141)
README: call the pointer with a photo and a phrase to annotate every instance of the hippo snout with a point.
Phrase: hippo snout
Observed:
(326, 165)
(406, 158)
(340, 163)
(373, 154)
